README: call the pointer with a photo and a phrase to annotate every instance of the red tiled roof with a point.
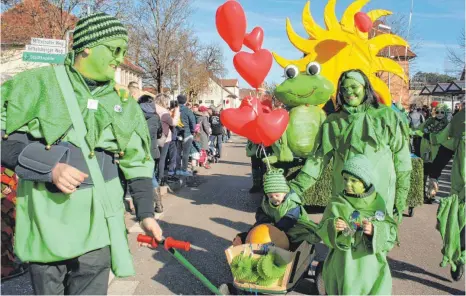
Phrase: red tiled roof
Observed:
(228, 82)
(129, 65)
(219, 82)
(20, 23)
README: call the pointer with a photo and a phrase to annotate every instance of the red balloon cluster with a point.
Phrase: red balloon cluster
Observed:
(230, 20)
(256, 121)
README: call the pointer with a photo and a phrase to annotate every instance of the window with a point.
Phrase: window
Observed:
(209, 102)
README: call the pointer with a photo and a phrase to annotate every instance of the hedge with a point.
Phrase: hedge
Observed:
(321, 192)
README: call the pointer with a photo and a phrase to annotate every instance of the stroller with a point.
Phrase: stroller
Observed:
(212, 153)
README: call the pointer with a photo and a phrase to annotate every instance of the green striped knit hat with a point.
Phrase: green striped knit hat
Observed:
(95, 29)
(275, 182)
(360, 167)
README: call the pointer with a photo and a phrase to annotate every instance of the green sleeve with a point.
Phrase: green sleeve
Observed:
(330, 237)
(385, 235)
(402, 162)
(309, 174)
(134, 163)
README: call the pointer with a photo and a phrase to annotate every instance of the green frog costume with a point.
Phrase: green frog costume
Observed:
(53, 226)
(451, 211)
(362, 126)
(357, 263)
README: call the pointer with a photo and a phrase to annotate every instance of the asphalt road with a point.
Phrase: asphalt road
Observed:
(216, 205)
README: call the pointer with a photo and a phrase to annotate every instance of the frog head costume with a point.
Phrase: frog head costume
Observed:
(303, 93)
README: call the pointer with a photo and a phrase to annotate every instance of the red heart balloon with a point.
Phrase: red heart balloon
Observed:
(267, 106)
(251, 132)
(254, 39)
(231, 24)
(236, 118)
(253, 67)
(271, 126)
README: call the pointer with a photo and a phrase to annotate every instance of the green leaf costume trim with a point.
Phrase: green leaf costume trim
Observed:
(31, 99)
(379, 134)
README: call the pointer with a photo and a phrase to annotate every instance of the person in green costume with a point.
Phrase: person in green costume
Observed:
(359, 231)
(451, 211)
(61, 226)
(431, 126)
(361, 126)
(429, 150)
(283, 208)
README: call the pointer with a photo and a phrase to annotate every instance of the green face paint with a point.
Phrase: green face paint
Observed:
(353, 185)
(353, 92)
(103, 59)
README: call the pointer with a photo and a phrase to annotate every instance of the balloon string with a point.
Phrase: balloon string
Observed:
(266, 158)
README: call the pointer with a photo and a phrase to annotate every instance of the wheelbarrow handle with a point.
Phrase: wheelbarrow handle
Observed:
(168, 242)
(148, 240)
(176, 244)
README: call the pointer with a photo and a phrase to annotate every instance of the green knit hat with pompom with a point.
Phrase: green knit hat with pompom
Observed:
(275, 182)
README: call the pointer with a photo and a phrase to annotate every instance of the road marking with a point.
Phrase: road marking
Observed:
(136, 228)
(123, 288)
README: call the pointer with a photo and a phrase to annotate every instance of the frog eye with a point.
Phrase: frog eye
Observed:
(313, 68)
(291, 71)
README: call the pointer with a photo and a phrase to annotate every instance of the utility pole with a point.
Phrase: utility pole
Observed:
(179, 77)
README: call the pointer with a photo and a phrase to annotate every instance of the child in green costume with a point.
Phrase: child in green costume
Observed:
(282, 208)
(64, 228)
(357, 228)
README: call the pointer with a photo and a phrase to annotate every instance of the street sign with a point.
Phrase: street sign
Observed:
(45, 49)
(48, 42)
(42, 50)
(43, 57)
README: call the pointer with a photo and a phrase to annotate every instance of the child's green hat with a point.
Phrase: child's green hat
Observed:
(275, 182)
(359, 167)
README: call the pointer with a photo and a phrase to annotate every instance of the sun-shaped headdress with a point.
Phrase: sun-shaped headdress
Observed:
(343, 47)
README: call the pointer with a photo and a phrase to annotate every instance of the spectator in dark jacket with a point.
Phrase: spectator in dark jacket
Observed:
(189, 123)
(217, 132)
(155, 130)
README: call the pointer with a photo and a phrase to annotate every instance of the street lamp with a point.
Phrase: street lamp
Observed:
(389, 29)
(382, 27)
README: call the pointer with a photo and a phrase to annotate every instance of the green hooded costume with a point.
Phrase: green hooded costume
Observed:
(53, 226)
(288, 216)
(357, 263)
(376, 132)
(430, 127)
(451, 211)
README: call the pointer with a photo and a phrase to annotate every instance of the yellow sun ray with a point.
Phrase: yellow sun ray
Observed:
(379, 42)
(381, 89)
(389, 65)
(331, 21)
(347, 21)
(344, 47)
(378, 13)
(300, 43)
(312, 28)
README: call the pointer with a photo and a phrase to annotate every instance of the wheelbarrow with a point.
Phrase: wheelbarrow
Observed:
(171, 245)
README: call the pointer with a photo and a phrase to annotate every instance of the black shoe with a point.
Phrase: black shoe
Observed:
(255, 189)
(458, 274)
(158, 209)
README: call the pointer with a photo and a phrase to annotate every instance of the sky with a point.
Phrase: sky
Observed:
(435, 25)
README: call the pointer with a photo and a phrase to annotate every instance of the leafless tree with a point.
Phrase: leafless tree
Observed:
(456, 55)
(160, 25)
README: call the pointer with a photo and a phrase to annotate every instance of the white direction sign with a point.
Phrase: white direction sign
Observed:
(48, 42)
(45, 49)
